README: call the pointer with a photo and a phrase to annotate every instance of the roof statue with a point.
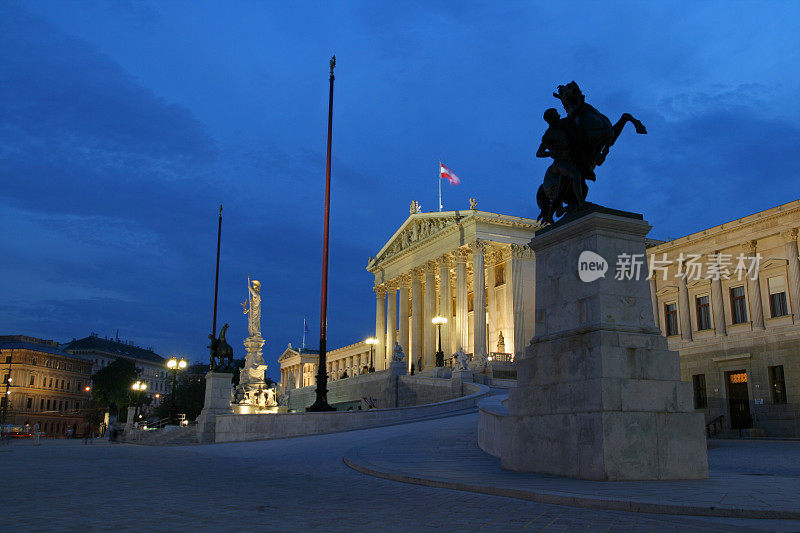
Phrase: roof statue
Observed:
(577, 144)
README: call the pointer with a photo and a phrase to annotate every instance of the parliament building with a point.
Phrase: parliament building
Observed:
(727, 299)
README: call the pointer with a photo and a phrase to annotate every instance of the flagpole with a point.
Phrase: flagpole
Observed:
(321, 403)
(216, 276)
(440, 185)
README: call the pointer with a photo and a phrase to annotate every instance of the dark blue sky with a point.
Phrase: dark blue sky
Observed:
(124, 125)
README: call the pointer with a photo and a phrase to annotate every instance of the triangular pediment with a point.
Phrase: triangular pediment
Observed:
(421, 228)
(418, 228)
(287, 354)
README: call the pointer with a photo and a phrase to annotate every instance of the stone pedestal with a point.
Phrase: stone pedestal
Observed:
(458, 378)
(599, 395)
(217, 402)
(398, 368)
(252, 389)
(130, 419)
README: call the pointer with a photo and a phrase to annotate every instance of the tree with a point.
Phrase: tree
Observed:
(93, 414)
(111, 385)
(190, 394)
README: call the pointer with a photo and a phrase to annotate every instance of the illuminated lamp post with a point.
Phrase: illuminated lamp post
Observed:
(439, 320)
(139, 387)
(372, 341)
(175, 364)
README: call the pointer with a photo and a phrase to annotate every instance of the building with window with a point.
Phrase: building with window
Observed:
(45, 385)
(728, 300)
(299, 365)
(733, 313)
(102, 351)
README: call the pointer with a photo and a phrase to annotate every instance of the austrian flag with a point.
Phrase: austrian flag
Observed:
(449, 175)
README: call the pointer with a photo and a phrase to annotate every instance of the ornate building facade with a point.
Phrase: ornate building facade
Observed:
(299, 365)
(45, 385)
(728, 300)
(472, 267)
(738, 338)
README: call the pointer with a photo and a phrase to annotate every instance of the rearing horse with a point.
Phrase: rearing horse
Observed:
(220, 349)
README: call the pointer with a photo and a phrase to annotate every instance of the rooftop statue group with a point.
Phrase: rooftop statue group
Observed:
(577, 144)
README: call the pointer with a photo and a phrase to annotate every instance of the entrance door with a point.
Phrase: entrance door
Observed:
(738, 399)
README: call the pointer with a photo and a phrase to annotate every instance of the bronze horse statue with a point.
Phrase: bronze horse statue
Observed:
(578, 143)
(220, 350)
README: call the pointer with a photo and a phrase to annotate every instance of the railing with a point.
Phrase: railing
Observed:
(155, 425)
(501, 356)
(715, 426)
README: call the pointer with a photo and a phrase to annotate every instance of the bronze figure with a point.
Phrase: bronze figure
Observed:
(577, 143)
(220, 351)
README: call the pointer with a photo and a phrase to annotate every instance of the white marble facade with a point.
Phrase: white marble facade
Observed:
(473, 267)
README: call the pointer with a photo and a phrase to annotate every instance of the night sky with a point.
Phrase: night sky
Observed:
(124, 125)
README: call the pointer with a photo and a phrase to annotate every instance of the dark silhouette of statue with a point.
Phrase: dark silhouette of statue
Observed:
(577, 143)
(220, 351)
(563, 183)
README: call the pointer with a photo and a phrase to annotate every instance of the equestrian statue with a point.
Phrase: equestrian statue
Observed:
(220, 351)
(577, 144)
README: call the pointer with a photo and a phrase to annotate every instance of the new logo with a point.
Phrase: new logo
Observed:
(591, 266)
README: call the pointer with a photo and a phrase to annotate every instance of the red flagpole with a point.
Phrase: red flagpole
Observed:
(321, 403)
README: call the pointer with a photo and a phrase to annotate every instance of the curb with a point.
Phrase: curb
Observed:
(572, 500)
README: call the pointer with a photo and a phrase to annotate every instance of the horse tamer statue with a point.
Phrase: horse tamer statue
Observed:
(220, 350)
(577, 143)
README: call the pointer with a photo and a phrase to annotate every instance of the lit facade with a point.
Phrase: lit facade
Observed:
(738, 335)
(473, 267)
(48, 385)
(299, 365)
(738, 340)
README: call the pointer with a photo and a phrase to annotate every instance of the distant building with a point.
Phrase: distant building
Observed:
(299, 365)
(152, 367)
(47, 385)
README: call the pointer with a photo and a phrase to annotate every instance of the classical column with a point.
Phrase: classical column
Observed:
(754, 289)
(417, 316)
(380, 326)
(462, 312)
(718, 307)
(683, 301)
(478, 300)
(445, 303)
(654, 298)
(790, 237)
(515, 295)
(430, 312)
(391, 325)
(402, 330)
(491, 301)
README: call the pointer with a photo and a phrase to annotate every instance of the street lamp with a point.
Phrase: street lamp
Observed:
(439, 320)
(372, 341)
(139, 387)
(8, 380)
(175, 364)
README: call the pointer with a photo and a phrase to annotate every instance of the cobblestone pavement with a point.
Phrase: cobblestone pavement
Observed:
(280, 485)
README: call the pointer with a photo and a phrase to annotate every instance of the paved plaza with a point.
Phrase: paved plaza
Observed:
(303, 484)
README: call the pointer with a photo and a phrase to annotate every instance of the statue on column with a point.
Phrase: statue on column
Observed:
(460, 360)
(254, 299)
(253, 389)
(577, 144)
(397, 353)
